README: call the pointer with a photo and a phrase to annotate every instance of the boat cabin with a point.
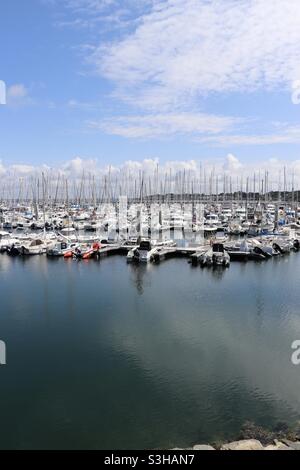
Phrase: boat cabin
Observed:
(218, 248)
(145, 245)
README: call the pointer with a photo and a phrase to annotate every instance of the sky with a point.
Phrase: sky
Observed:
(99, 83)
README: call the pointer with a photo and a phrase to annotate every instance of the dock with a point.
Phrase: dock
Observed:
(163, 253)
(179, 252)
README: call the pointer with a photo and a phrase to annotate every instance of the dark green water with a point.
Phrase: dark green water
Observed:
(108, 355)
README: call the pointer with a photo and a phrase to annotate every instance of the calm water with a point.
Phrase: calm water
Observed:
(109, 355)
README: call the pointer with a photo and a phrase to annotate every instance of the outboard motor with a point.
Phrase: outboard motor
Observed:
(296, 245)
(13, 251)
(277, 248)
(258, 251)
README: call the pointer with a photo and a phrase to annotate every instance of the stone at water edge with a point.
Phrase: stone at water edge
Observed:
(278, 446)
(203, 447)
(292, 445)
(249, 444)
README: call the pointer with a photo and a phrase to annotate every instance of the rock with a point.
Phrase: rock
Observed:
(292, 445)
(203, 447)
(252, 431)
(278, 446)
(250, 444)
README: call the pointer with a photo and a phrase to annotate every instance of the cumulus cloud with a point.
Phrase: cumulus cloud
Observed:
(2, 169)
(152, 167)
(232, 164)
(22, 169)
(18, 95)
(77, 166)
(17, 91)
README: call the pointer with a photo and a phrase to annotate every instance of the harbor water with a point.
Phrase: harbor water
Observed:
(110, 355)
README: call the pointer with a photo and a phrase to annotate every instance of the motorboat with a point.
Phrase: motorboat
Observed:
(147, 249)
(35, 247)
(144, 252)
(6, 240)
(267, 247)
(215, 256)
(221, 236)
(211, 223)
(83, 252)
(60, 248)
(244, 251)
(67, 230)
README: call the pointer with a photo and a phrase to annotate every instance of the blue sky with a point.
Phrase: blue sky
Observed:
(167, 80)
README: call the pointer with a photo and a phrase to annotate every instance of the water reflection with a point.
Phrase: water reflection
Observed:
(141, 356)
(138, 273)
(217, 272)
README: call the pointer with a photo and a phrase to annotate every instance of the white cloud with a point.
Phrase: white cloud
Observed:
(23, 170)
(18, 95)
(231, 165)
(92, 7)
(2, 169)
(173, 52)
(78, 165)
(159, 125)
(106, 15)
(214, 131)
(17, 91)
(281, 134)
(83, 105)
(186, 48)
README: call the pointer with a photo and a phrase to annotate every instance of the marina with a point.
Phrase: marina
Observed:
(209, 234)
(144, 322)
(159, 353)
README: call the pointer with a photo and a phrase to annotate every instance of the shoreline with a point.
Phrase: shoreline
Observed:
(253, 437)
(248, 444)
